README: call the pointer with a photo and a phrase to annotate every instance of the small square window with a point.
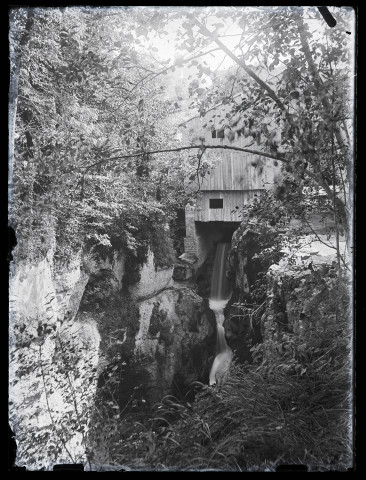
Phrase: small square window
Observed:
(218, 133)
(216, 203)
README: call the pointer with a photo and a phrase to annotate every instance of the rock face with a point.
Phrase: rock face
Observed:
(173, 340)
(182, 272)
(158, 329)
(152, 279)
(52, 357)
(156, 338)
(243, 269)
(254, 314)
(189, 258)
(80, 334)
(305, 301)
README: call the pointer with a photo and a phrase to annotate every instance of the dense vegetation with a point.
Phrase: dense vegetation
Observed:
(79, 101)
(88, 106)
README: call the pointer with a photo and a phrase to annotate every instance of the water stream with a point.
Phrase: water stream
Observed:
(220, 295)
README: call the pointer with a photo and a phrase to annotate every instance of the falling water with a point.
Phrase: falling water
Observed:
(220, 295)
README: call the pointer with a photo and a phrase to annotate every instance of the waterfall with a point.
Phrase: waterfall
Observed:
(220, 295)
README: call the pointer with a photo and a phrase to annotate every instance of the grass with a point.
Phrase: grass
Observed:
(257, 420)
(291, 406)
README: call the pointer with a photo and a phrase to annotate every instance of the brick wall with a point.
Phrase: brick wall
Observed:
(190, 245)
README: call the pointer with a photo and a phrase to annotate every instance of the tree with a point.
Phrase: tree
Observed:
(80, 102)
(295, 74)
(98, 77)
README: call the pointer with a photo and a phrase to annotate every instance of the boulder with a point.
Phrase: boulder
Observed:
(182, 272)
(188, 258)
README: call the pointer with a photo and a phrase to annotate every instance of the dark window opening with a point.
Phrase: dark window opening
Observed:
(216, 203)
(218, 133)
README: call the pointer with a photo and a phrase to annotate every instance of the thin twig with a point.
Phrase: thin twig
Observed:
(317, 236)
(71, 385)
(177, 63)
(49, 408)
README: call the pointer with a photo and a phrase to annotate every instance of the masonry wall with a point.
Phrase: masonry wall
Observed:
(190, 241)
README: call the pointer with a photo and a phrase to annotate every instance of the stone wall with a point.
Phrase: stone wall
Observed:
(190, 245)
(190, 241)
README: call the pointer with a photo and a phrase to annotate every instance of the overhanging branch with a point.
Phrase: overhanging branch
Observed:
(203, 148)
(280, 158)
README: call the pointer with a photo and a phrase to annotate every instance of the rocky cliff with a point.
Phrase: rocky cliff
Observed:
(280, 279)
(52, 359)
(82, 336)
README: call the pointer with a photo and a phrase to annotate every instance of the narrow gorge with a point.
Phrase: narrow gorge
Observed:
(180, 193)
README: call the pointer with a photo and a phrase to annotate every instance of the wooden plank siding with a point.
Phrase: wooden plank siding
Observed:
(232, 203)
(236, 177)
(233, 170)
(237, 171)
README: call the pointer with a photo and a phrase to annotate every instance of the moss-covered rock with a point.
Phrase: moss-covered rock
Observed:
(162, 247)
(254, 248)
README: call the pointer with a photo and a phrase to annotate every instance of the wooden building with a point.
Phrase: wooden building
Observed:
(234, 181)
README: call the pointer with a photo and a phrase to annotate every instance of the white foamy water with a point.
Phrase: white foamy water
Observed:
(217, 306)
(220, 289)
(220, 295)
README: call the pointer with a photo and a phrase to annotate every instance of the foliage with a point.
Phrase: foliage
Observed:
(162, 248)
(83, 102)
(61, 382)
(277, 224)
(75, 109)
(89, 109)
(259, 239)
(293, 81)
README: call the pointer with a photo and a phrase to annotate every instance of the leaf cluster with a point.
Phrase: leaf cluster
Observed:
(80, 102)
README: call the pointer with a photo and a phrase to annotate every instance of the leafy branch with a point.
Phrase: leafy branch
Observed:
(177, 63)
(73, 393)
(49, 408)
(240, 62)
